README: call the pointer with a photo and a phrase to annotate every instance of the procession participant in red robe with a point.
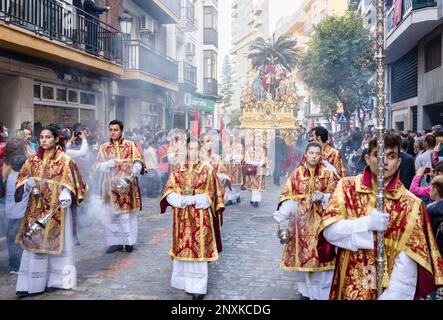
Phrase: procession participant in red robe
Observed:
(195, 195)
(302, 202)
(56, 185)
(413, 265)
(120, 161)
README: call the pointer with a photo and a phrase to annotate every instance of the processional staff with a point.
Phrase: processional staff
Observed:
(380, 129)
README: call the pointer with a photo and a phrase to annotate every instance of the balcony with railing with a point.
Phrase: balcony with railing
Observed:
(187, 19)
(393, 20)
(406, 22)
(210, 87)
(187, 75)
(62, 22)
(139, 56)
(210, 36)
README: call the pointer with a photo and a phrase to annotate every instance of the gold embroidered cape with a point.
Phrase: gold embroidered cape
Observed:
(300, 253)
(233, 167)
(51, 174)
(256, 182)
(125, 153)
(196, 232)
(408, 231)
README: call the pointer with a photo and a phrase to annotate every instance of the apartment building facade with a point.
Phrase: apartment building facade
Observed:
(413, 49)
(300, 26)
(250, 20)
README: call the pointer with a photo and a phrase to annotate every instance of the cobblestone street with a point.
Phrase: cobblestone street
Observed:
(247, 268)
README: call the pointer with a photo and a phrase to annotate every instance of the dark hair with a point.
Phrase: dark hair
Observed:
(430, 141)
(437, 183)
(313, 144)
(439, 167)
(439, 133)
(404, 144)
(321, 132)
(18, 161)
(391, 141)
(2, 127)
(56, 134)
(120, 124)
(25, 124)
(14, 148)
(277, 132)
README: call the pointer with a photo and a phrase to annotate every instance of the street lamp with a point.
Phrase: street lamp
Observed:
(125, 21)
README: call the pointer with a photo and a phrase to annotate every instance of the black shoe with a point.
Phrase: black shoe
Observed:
(229, 203)
(238, 200)
(255, 204)
(129, 248)
(304, 298)
(198, 296)
(114, 248)
(22, 294)
(51, 289)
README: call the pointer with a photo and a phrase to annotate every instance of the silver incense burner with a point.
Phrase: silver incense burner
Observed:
(283, 234)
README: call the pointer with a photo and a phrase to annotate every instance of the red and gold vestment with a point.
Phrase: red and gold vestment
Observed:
(196, 232)
(125, 153)
(256, 182)
(52, 172)
(234, 167)
(300, 253)
(408, 231)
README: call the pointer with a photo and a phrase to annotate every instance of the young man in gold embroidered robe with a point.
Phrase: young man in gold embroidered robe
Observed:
(46, 234)
(194, 193)
(120, 161)
(255, 156)
(413, 265)
(233, 157)
(176, 153)
(302, 202)
(331, 158)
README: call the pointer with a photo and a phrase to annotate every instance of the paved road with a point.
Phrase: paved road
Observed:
(247, 268)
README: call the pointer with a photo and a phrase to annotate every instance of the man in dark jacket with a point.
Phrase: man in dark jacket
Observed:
(280, 156)
(92, 22)
(435, 209)
(407, 169)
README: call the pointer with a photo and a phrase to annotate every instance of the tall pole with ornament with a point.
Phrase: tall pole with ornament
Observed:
(380, 130)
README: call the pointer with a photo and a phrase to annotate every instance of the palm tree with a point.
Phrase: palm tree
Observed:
(281, 52)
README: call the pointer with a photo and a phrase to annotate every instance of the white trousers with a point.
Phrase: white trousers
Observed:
(314, 285)
(234, 194)
(122, 229)
(38, 271)
(256, 196)
(190, 276)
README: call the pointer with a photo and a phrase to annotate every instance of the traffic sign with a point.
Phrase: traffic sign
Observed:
(341, 118)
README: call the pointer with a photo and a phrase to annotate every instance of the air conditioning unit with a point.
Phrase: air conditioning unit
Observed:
(147, 24)
(190, 49)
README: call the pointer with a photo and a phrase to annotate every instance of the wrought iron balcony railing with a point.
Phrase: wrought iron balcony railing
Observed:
(187, 14)
(407, 6)
(140, 56)
(61, 21)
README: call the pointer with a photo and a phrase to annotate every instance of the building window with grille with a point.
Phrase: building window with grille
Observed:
(210, 64)
(433, 54)
(210, 18)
